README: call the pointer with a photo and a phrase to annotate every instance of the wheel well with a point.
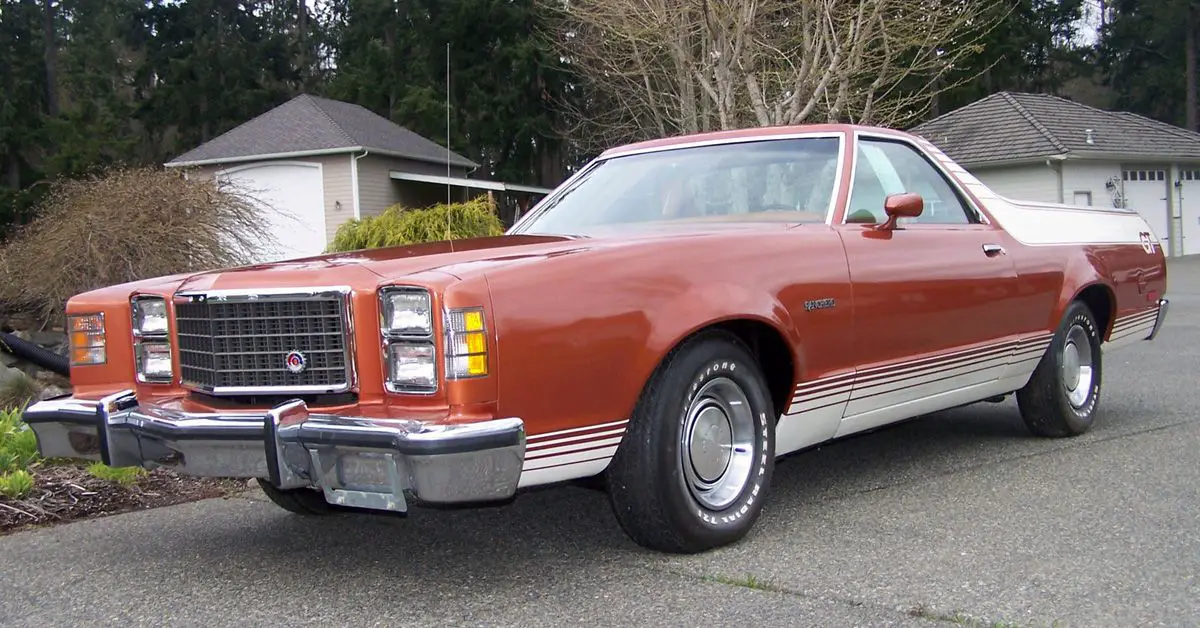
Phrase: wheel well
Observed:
(770, 349)
(1100, 301)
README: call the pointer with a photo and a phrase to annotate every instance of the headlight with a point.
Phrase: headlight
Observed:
(412, 367)
(87, 339)
(154, 361)
(149, 316)
(406, 320)
(407, 311)
(151, 344)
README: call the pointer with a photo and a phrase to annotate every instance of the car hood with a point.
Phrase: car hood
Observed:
(458, 258)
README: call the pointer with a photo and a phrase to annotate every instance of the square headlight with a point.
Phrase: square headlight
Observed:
(412, 367)
(149, 316)
(407, 312)
(154, 362)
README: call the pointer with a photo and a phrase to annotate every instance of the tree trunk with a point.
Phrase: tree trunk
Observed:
(1190, 68)
(50, 44)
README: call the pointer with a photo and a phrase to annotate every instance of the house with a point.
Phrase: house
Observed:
(1045, 148)
(314, 163)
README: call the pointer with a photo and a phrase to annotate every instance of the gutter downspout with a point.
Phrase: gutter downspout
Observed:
(1055, 163)
(354, 182)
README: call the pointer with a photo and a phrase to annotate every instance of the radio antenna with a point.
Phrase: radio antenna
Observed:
(447, 140)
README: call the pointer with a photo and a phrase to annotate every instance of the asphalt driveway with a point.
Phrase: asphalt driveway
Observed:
(958, 518)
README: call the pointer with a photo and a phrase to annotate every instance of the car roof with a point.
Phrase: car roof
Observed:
(747, 134)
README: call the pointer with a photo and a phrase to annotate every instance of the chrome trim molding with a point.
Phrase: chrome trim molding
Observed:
(1163, 305)
(293, 448)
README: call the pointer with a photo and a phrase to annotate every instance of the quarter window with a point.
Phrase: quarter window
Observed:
(887, 167)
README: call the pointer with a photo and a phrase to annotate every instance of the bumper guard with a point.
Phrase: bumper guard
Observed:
(356, 461)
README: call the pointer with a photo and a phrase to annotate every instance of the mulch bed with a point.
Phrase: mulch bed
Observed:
(67, 492)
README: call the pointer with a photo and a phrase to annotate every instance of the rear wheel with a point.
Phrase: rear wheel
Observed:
(1061, 397)
(695, 465)
(302, 501)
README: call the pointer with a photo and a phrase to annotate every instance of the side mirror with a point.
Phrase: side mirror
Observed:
(903, 205)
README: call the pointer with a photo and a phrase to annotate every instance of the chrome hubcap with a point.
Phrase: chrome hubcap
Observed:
(1077, 366)
(718, 443)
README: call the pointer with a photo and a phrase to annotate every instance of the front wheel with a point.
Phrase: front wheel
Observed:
(696, 462)
(1061, 396)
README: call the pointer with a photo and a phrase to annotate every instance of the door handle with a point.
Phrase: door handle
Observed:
(992, 250)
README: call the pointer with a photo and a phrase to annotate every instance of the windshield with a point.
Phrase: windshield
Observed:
(784, 180)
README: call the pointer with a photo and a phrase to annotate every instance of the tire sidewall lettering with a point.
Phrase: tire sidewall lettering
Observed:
(744, 504)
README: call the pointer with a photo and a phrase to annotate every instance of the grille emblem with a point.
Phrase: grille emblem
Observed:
(295, 362)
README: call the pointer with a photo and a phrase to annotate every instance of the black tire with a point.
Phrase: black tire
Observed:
(1046, 400)
(650, 489)
(302, 501)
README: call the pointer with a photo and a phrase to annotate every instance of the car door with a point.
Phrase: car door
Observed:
(931, 296)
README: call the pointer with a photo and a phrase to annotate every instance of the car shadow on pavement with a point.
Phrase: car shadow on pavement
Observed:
(557, 526)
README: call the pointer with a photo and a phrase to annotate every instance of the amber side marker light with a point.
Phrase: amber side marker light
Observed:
(466, 343)
(86, 337)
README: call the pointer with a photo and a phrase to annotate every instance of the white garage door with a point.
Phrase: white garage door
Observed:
(1146, 192)
(1189, 209)
(292, 202)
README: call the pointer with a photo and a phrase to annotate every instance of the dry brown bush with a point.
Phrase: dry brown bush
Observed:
(123, 225)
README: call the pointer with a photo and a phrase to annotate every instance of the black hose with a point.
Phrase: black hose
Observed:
(31, 352)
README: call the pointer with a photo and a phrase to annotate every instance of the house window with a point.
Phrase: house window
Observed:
(1083, 198)
(1144, 175)
(1189, 175)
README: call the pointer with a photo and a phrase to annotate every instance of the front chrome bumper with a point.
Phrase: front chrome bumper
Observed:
(356, 461)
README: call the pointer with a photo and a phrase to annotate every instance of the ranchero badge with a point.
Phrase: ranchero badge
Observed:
(819, 304)
(295, 362)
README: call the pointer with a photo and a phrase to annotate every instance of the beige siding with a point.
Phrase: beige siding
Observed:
(335, 182)
(1025, 183)
(378, 191)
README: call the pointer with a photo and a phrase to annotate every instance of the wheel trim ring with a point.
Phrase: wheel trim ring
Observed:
(720, 490)
(1077, 366)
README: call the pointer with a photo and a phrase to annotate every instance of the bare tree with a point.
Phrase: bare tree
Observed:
(661, 67)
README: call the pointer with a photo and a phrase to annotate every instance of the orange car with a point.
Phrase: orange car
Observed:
(672, 319)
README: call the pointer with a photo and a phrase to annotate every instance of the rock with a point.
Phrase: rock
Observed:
(8, 359)
(48, 339)
(8, 373)
(49, 392)
(52, 379)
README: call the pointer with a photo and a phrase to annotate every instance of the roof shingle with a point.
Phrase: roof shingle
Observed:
(306, 124)
(1011, 126)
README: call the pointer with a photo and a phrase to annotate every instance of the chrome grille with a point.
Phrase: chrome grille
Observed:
(241, 345)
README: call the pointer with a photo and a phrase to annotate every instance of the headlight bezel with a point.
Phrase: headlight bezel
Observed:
(137, 306)
(144, 339)
(408, 337)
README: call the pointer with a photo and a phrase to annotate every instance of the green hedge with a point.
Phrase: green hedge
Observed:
(398, 226)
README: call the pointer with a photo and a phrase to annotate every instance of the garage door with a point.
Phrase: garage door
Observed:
(293, 205)
(1146, 192)
(1189, 209)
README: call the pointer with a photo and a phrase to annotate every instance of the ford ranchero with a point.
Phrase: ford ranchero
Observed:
(670, 320)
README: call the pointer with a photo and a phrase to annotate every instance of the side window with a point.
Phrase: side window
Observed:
(885, 168)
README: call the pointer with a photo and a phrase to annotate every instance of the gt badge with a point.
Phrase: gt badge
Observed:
(1147, 242)
(295, 362)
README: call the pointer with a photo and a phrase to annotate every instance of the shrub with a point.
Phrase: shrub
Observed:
(16, 484)
(123, 225)
(397, 226)
(124, 476)
(18, 443)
